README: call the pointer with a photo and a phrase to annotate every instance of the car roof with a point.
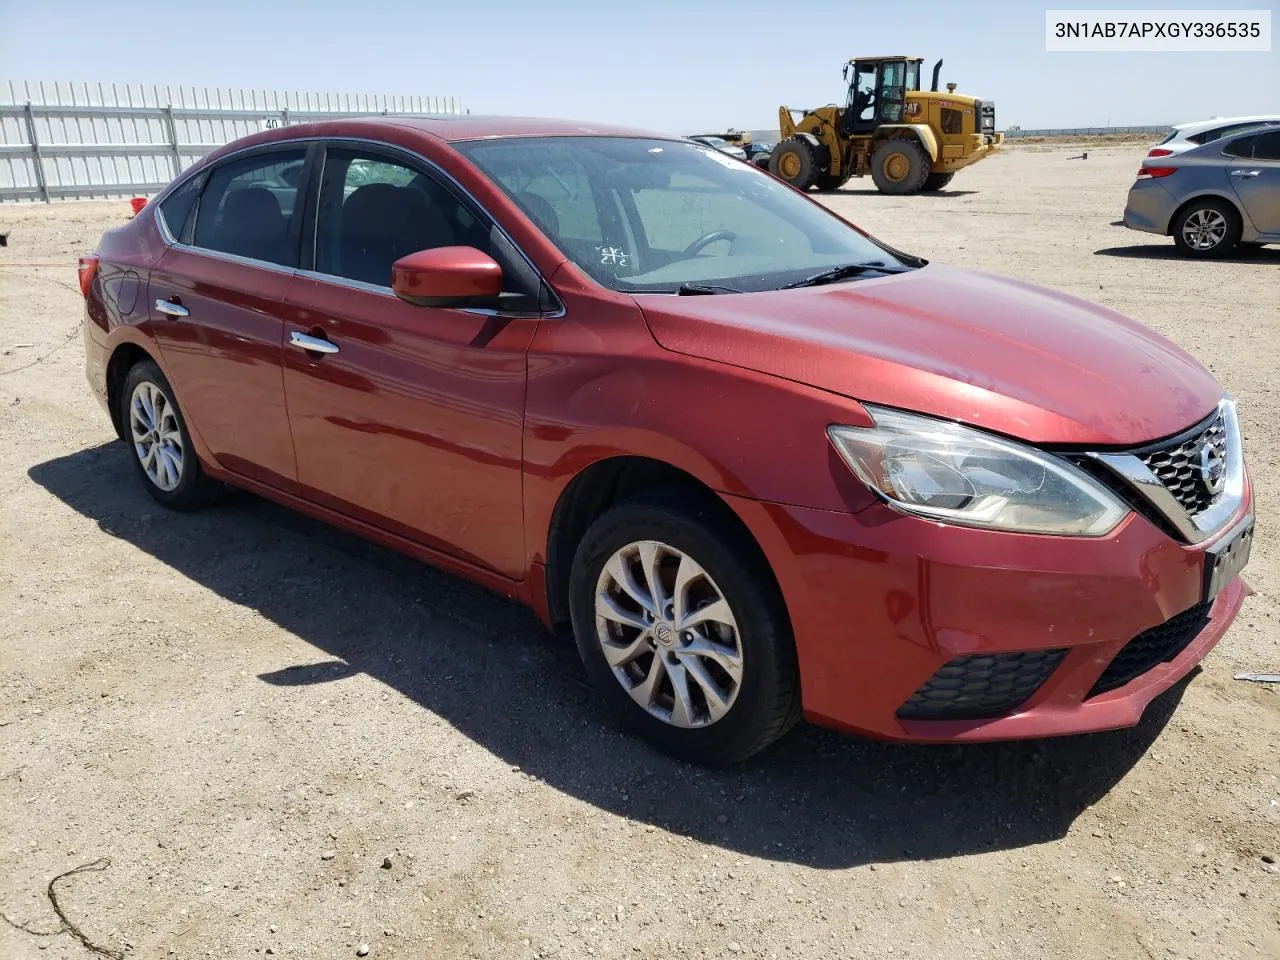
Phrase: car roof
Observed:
(1196, 126)
(1248, 131)
(452, 128)
(457, 127)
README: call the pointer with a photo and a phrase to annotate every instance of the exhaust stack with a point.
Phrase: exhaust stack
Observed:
(937, 69)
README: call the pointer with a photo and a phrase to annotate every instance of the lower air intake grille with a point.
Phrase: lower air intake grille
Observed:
(981, 686)
(1153, 647)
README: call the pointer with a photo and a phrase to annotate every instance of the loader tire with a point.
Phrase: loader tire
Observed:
(796, 162)
(826, 181)
(900, 166)
(936, 181)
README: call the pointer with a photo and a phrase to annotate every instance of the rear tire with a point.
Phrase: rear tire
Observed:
(899, 166)
(796, 161)
(751, 665)
(160, 443)
(1206, 228)
(936, 181)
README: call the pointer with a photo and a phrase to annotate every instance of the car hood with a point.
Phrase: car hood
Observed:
(993, 352)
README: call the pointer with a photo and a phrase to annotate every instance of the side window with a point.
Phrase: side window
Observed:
(374, 210)
(1241, 148)
(177, 208)
(1267, 146)
(248, 207)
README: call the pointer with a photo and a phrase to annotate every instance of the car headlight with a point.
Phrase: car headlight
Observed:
(955, 474)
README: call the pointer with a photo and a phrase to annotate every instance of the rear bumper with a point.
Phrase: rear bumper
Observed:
(880, 601)
(977, 147)
(95, 361)
(1149, 207)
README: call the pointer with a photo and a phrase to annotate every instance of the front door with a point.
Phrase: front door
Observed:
(863, 103)
(409, 418)
(216, 300)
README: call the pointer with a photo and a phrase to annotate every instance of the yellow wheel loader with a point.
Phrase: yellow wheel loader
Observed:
(908, 139)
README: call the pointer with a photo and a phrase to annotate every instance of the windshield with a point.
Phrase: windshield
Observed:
(650, 216)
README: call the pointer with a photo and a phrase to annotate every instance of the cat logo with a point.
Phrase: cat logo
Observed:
(913, 109)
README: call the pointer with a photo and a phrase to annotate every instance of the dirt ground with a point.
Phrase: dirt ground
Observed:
(287, 742)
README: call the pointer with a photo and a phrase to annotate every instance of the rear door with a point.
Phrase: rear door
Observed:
(216, 299)
(1254, 171)
(408, 418)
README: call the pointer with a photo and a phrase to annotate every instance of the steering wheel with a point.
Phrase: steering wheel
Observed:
(693, 249)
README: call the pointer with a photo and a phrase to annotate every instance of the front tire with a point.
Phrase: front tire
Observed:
(1207, 228)
(900, 166)
(936, 181)
(157, 434)
(683, 631)
(795, 161)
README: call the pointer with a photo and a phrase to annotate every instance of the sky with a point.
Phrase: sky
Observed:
(671, 66)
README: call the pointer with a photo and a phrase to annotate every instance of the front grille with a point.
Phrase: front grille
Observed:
(1152, 647)
(1178, 466)
(981, 686)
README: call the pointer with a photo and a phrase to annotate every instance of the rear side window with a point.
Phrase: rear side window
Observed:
(1266, 146)
(1243, 147)
(1169, 136)
(249, 205)
(176, 209)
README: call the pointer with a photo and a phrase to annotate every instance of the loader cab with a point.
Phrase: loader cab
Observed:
(878, 89)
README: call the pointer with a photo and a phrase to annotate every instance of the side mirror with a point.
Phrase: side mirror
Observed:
(446, 277)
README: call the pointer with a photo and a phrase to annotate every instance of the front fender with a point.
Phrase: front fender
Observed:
(739, 432)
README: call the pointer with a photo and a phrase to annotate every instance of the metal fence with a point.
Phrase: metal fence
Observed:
(1084, 131)
(80, 140)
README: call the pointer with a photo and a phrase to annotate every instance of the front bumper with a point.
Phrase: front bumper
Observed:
(880, 601)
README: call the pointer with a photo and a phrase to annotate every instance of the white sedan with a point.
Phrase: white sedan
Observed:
(1187, 136)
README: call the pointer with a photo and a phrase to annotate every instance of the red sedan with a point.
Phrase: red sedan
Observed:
(762, 464)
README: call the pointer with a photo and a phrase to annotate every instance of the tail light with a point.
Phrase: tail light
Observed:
(1159, 152)
(88, 270)
(1146, 171)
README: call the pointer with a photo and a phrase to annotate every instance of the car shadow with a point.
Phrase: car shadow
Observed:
(486, 666)
(1167, 251)
(873, 192)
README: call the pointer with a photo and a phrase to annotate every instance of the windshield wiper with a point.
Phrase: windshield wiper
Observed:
(842, 272)
(700, 289)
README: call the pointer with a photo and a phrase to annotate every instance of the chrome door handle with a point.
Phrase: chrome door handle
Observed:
(312, 344)
(171, 309)
(1245, 173)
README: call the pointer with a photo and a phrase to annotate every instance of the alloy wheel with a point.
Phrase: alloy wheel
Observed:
(157, 438)
(1204, 229)
(668, 634)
